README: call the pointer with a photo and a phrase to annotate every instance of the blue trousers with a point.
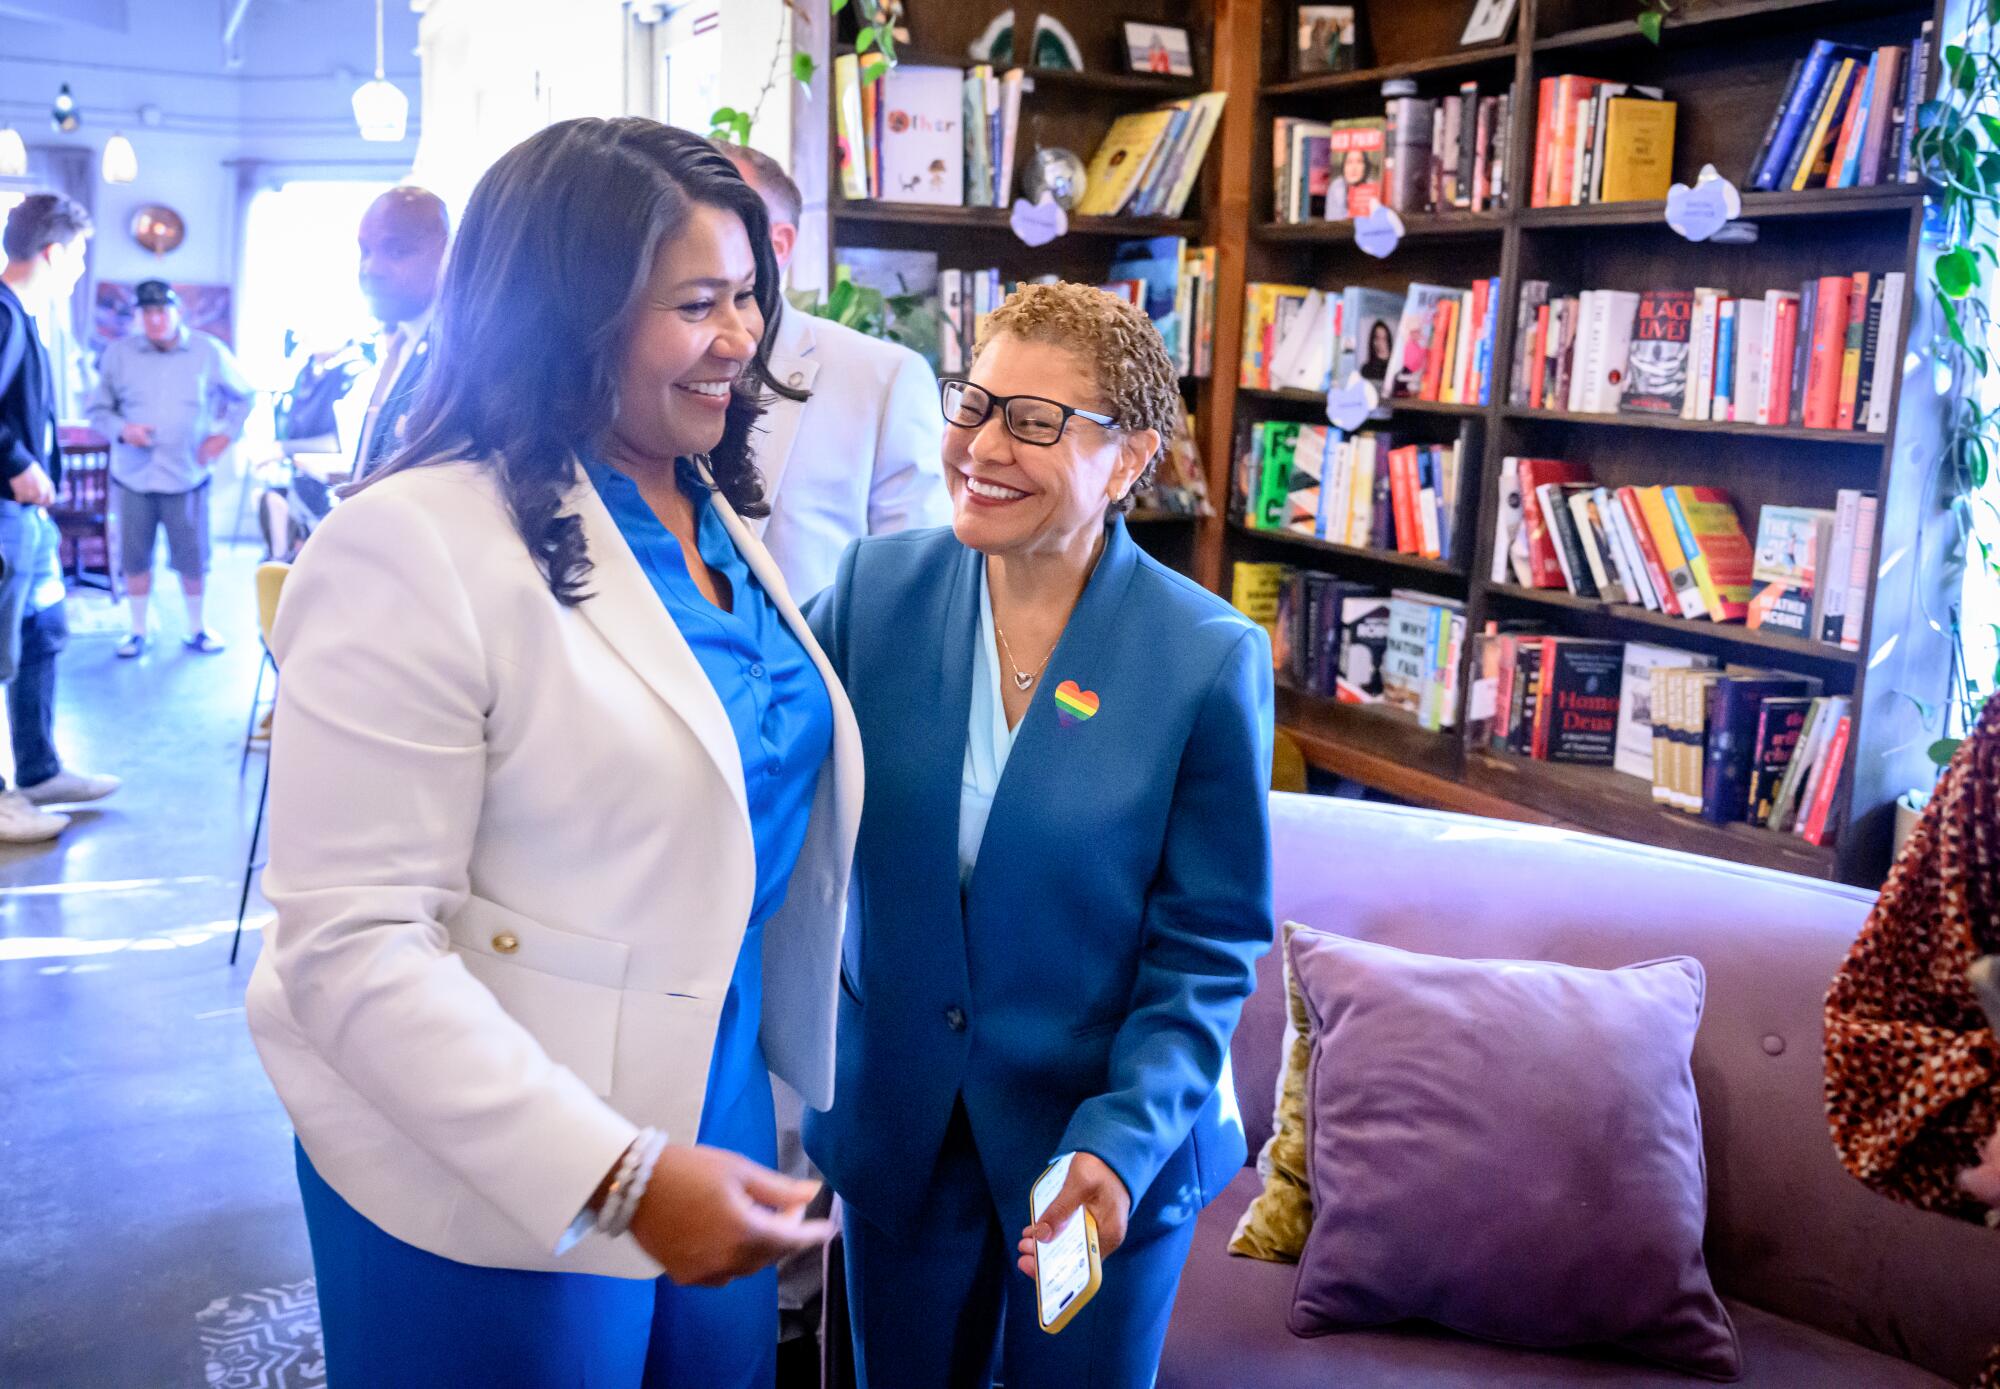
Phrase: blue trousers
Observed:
(947, 1308)
(395, 1316)
(30, 639)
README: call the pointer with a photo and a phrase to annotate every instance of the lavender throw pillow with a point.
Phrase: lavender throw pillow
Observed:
(1511, 1149)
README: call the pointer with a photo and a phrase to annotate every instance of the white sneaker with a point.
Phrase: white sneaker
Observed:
(71, 788)
(23, 822)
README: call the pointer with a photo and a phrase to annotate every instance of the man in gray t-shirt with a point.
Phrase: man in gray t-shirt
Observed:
(170, 401)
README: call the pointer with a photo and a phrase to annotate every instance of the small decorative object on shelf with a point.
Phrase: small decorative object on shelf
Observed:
(1488, 23)
(1054, 49)
(1158, 50)
(1326, 40)
(1056, 172)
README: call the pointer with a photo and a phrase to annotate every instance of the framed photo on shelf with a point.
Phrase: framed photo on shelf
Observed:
(1158, 50)
(1488, 22)
(1326, 40)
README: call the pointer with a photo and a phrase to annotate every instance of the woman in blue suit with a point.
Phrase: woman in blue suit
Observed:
(1063, 876)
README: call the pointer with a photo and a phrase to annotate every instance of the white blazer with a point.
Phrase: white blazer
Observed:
(512, 866)
(861, 457)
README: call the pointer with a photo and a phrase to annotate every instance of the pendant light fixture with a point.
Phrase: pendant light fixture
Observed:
(63, 115)
(13, 153)
(121, 161)
(380, 108)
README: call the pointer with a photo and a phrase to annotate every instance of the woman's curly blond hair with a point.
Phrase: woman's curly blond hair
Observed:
(1115, 342)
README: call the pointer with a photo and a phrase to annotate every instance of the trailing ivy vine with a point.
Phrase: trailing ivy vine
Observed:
(874, 41)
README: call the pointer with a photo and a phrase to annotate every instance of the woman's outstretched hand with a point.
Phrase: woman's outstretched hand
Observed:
(1091, 1186)
(710, 1216)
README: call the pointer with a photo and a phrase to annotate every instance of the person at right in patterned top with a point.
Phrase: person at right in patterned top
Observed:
(1063, 877)
(1912, 1060)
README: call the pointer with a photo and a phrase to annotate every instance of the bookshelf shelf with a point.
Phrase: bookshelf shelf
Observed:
(1428, 226)
(1380, 742)
(1361, 79)
(1732, 638)
(1885, 200)
(993, 219)
(1386, 559)
(1604, 801)
(1289, 396)
(1159, 518)
(1851, 437)
(1709, 24)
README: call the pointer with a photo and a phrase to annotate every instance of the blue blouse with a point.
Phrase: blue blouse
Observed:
(988, 740)
(783, 720)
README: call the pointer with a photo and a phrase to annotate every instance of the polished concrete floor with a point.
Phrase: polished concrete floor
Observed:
(150, 1232)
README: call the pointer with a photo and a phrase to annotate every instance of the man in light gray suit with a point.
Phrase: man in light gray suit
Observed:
(861, 457)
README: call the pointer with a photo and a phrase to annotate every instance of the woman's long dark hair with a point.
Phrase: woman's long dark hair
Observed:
(556, 248)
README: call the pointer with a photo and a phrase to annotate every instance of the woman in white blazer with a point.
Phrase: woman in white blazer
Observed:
(563, 800)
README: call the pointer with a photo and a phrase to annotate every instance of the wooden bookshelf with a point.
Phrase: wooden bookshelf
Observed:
(1724, 62)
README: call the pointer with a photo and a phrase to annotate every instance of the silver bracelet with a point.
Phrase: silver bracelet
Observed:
(621, 1202)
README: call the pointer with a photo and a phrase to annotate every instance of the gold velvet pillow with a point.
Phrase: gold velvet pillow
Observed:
(1276, 1223)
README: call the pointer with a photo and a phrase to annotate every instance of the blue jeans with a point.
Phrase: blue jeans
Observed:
(31, 636)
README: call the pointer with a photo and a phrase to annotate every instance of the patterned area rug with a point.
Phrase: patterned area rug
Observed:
(268, 1339)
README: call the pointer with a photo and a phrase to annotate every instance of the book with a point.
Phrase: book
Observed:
(1858, 573)
(1596, 544)
(1577, 714)
(922, 140)
(1364, 648)
(1544, 566)
(1406, 161)
(1561, 524)
(1634, 749)
(1367, 336)
(1839, 561)
(1850, 357)
(1638, 143)
(1718, 552)
(1404, 663)
(1121, 161)
(1813, 735)
(1733, 704)
(1410, 354)
(1657, 378)
(1888, 355)
(1814, 827)
(1779, 115)
(1673, 558)
(1355, 150)
(850, 149)
(1253, 591)
(1784, 582)
(1824, 359)
(1602, 351)
(1155, 262)
(1809, 160)
(1779, 723)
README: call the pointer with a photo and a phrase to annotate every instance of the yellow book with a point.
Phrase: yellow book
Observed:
(1253, 589)
(1638, 149)
(1121, 161)
(1448, 379)
(853, 151)
(1830, 112)
(1686, 594)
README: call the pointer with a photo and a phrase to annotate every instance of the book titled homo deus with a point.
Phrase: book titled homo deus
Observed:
(1579, 704)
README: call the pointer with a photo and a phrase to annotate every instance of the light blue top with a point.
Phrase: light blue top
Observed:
(186, 391)
(988, 739)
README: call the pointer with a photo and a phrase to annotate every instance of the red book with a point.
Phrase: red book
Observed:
(1656, 571)
(1439, 348)
(1850, 351)
(1850, 127)
(1784, 341)
(1543, 566)
(1539, 748)
(1822, 805)
(1403, 498)
(1545, 105)
(1829, 344)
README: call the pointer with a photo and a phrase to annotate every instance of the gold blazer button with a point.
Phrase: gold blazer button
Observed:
(506, 942)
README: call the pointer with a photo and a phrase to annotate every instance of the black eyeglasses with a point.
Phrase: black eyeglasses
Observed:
(1029, 418)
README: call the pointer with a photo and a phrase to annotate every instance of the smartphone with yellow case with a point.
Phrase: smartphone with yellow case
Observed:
(1068, 1270)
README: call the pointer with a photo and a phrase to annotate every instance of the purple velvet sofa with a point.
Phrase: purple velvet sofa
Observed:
(1830, 1285)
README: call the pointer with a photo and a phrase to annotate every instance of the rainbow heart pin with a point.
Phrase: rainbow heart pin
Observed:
(1074, 705)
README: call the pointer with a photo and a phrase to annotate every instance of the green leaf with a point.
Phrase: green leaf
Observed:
(872, 71)
(803, 68)
(1957, 272)
(836, 6)
(865, 40)
(1940, 752)
(1925, 712)
(1649, 25)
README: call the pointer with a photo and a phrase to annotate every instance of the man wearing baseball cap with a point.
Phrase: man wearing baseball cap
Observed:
(170, 401)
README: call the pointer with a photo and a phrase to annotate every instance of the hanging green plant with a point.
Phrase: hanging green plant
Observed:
(876, 37)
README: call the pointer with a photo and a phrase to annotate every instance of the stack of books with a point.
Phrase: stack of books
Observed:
(1441, 154)
(1762, 747)
(1369, 491)
(1823, 357)
(1600, 142)
(1432, 343)
(1175, 284)
(1810, 574)
(1845, 119)
(1674, 550)
(1356, 644)
(1149, 160)
(1325, 170)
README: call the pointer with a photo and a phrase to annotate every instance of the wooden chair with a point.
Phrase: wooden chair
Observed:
(83, 513)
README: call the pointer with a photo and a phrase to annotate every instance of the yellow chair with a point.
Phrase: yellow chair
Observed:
(270, 585)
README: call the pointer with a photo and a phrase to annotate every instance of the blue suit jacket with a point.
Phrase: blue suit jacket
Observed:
(1081, 992)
